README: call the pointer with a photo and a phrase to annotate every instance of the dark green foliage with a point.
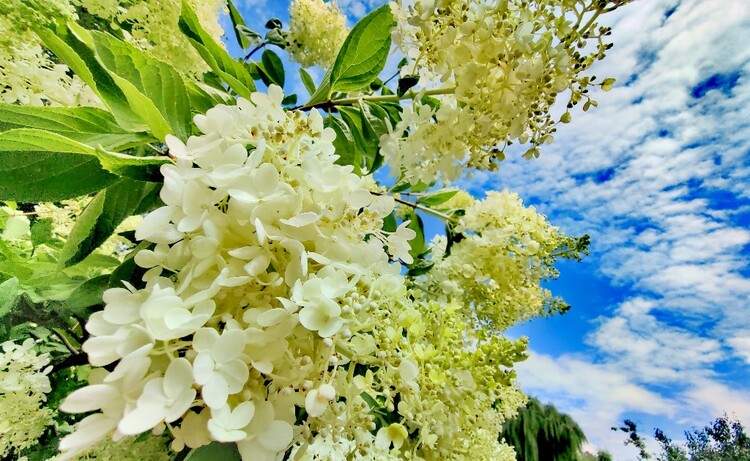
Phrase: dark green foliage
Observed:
(46, 176)
(541, 433)
(101, 217)
(724, 439)
(630, 428)
(215, 451)
(601, 456)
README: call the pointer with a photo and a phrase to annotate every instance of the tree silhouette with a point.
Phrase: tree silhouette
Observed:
(723, 440)
(541, 433)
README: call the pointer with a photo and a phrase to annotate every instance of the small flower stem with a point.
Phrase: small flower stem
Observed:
(586, 27)
(27, 213)
(254, 50)
(392, 77)
(411, 94)
(73, 350)
(417, 206)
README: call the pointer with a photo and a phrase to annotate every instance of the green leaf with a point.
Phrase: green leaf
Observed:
(451, 234)
(101, 217)
(421, 186)
(273, 68)
(406, 83)
(437, 198)
(41, 231)
(31, 139)
(376, 84)
(345, 145)
(274, 23)
(83, 297)
(49, 176)
(77, 54)
(150, 201)
(45, 143)
(23, 309)
(418, 243)
(233, 72)
(8, 294)
(250, 36)
(389, 223)
(129, 270)
(364, 146)
(420, 267)
(393, 109)
(434, 103)
(215, 451)
(88, 125)
(400, 186)
(307, 81)
(371, 402)
(130, 166)
(204, 97)
(364, 52)
(373, 127)
(277, 37)
(323, 93)
(238, 22)
(154, 89)
(39, 166)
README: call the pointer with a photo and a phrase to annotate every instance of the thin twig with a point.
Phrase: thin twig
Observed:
(411, 94)
(252, 52)
(417, 206)
(398, 72)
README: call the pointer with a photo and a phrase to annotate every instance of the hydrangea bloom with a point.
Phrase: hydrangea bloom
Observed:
(274, 314)
(500, 264)
(506, 63)
(272, 254)
(29, 74)
(23, 388)
(317, 29)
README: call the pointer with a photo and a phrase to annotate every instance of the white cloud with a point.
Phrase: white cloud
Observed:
(741, 347)
(650, 349)
(594, 395)
(358, 8)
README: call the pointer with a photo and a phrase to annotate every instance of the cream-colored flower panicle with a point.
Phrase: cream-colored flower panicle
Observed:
(504, 65)
(317, 29)
(273, 313)
(497, 269)
(259, 255)
(23, 388)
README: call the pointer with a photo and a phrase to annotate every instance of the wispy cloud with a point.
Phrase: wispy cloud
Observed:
(358, 8)
(658, 176)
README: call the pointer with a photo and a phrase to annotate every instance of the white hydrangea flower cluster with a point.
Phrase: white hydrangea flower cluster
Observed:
(23, 387)
(498, 267)
(317, 29)
(28, 73)
(508, 63)
(262, 258)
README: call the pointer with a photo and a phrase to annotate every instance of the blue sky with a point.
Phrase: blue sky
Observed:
(658, 175)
